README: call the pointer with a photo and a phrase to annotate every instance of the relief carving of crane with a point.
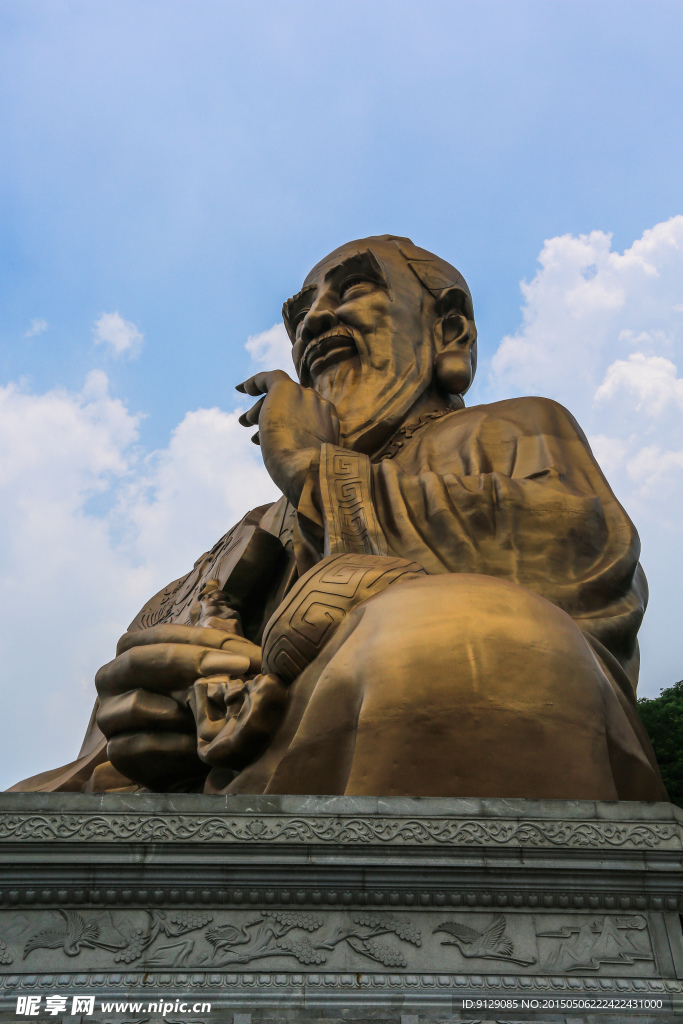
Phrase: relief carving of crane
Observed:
(71, 934)
(491, 944)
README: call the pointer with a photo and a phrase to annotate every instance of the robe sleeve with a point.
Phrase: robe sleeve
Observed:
(336, 512)
(524, 501)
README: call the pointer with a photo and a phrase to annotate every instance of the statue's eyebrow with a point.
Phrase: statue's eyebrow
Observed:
(360, 263)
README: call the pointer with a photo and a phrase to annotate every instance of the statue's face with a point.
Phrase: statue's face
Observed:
(362, 337)
(214, 602)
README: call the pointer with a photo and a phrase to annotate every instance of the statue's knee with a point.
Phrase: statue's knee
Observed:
(460, 605)
(474, 632)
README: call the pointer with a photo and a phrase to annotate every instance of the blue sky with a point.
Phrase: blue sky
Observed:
(182, 165)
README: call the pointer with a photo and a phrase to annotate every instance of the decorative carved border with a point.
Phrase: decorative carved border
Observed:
(214, 982)
(339, 830)
(464, 897)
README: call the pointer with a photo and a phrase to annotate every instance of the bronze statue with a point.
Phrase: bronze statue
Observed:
(444, 602)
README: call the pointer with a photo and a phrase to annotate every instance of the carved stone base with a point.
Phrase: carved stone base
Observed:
(302, 908)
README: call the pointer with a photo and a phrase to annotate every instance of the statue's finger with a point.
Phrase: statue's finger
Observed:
(174, 633)
(217, 663)
(140, 710)
(251, 386)
(156, 758)
(244, 650)
(197, 701)
(166, 668)
(195, 636)
(209, 712)
(249, 418)
(262, 382)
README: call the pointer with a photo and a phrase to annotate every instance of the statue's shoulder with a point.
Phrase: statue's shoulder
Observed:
(528, 415)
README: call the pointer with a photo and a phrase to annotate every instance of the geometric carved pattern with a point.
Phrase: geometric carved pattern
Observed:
(316, 606)
(346, 494)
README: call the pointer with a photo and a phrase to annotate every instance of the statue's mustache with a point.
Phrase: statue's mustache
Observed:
(306, 355)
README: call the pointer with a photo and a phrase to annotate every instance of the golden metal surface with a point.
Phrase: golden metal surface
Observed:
(445, 602)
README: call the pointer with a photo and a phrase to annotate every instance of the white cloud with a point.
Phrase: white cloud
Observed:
(650, 380)
(90, 527)
(183, 498)
(271, 349)
(37, 327)
(121, 335)
(609, 451)
(645, 339)
(661, 472)
(602, 332)
(586, 304)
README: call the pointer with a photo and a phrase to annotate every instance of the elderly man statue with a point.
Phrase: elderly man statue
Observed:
(445, 602)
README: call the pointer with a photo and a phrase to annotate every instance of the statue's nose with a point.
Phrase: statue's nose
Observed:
(320, 318)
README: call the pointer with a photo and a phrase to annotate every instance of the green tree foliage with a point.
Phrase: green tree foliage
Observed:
(663, 718)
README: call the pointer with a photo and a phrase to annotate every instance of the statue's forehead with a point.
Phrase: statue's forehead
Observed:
(391, 255)
(385, 253)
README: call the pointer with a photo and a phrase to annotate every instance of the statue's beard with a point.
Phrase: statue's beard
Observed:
(371, 397)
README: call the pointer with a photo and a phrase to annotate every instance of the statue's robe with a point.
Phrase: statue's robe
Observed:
(509, 670)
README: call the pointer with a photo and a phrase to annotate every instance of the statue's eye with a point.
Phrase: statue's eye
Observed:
(351, 284)
(299, 316)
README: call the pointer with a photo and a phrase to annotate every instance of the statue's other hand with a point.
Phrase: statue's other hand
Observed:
(293, 423)
(143, 698)
(235, 722)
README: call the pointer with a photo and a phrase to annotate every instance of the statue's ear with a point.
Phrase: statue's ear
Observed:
(454, 301)
(455, 341)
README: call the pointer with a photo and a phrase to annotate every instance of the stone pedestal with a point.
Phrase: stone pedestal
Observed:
(302, 908)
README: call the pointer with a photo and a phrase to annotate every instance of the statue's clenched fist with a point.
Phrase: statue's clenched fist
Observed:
(144, 710)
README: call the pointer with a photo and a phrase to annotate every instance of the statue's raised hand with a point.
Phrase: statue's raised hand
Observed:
(144, 711)
(293, 423)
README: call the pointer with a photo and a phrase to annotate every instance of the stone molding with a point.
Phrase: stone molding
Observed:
(552, 897)
(215, 981)
(633, 835)
(327, 821)
(98, 892)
